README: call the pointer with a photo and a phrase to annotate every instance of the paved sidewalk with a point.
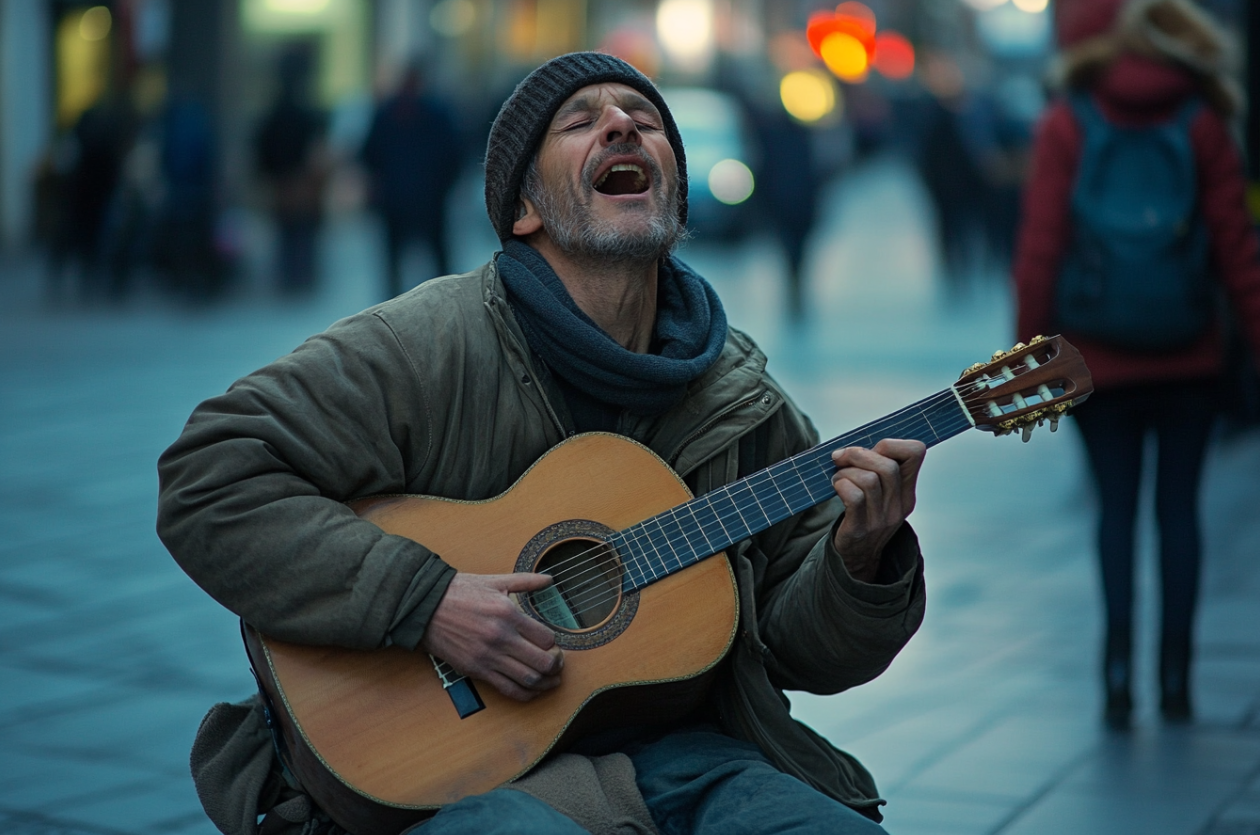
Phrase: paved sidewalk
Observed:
(987, 723)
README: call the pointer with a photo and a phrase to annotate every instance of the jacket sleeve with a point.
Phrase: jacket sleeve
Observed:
(251, 494)
(1046, 229)
(1235, 248)
(824, 631)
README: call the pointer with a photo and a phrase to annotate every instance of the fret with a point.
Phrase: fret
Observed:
(715, 534)
(710, 523)
(753, 512)
(723, 509)
(672, 543)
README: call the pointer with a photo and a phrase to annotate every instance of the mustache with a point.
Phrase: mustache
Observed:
(620, 150)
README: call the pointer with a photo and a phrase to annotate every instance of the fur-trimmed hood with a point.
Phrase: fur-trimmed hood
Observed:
(1174, 33)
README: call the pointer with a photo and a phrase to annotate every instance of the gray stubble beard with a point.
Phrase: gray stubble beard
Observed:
(569, 221)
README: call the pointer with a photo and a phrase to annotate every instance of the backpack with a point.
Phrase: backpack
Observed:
(1136, 275)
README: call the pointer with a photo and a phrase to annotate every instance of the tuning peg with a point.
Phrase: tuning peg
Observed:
(1028, 432)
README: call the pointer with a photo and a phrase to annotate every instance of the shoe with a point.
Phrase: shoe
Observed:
(1117, 673)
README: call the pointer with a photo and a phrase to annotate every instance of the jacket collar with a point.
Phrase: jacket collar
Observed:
(724, 403)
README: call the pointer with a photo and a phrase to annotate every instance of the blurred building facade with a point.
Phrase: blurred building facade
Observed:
(60, 58)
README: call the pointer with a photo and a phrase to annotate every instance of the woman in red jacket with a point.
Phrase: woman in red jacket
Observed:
(1138, 64)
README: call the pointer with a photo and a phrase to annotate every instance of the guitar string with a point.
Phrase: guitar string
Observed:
(825, 481)
(923, 408)
(934, 400)
(979, 393)
(593, 598)
(558, 571)
(584, 602)
(583, 561)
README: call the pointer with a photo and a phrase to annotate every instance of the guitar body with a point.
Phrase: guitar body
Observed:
(643, 616)
(374, 736)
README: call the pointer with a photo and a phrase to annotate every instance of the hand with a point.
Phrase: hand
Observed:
(481, 632)
(877, 488)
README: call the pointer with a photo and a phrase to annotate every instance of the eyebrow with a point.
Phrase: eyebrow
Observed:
(629, 100)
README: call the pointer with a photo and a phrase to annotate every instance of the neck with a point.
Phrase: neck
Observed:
(619, 296)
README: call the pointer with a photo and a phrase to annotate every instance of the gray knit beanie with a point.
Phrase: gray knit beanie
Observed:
(524, 117)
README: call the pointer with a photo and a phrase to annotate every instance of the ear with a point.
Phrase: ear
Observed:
(529, 222)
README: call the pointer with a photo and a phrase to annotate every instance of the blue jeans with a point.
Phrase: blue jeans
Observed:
(695, 781)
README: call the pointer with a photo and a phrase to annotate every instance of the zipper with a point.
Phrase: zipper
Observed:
(523, 357)
(703, 430)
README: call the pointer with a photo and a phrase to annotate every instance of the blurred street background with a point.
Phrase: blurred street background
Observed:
(189, 188)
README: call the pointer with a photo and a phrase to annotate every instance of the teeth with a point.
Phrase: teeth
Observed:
(622, 166)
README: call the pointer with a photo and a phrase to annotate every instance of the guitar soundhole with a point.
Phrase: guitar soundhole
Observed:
(585, 606)
(587, 585)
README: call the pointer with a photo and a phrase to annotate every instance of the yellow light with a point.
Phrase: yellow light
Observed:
(95, 23)
(1031, 6)
(845, 56)
(807, 96)
(731, 181)
(296, 6)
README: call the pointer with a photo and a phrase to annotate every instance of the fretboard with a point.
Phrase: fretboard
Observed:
(690, 532)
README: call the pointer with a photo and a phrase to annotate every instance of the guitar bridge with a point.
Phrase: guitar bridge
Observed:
(460, 689)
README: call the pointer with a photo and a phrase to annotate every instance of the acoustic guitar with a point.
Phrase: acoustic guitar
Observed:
(381, 739)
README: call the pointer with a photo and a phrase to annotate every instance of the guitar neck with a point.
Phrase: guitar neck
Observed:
(671, 541)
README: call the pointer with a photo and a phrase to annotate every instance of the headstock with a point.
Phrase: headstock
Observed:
(1025, 386)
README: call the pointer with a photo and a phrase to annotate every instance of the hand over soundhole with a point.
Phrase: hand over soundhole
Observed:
(586, 587)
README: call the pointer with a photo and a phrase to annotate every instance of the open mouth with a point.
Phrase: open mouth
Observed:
(622, 178)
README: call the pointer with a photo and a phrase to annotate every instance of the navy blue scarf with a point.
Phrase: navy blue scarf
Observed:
(689, 334)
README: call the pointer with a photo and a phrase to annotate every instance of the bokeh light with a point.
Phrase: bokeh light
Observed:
(95, 23)
(731, 181)
(858, 13)
(808, 95)
(685, 28)
(312, 7)
(1031, 6)
(453, 18)
(894, 55)
(845, 56)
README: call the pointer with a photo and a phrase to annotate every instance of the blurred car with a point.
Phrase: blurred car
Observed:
(719, 164)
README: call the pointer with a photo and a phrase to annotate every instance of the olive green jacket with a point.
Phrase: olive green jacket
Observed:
(436, 393)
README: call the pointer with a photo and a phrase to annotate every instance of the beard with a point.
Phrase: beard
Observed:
(567, 215)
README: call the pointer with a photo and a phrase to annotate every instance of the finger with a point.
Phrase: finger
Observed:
(508, 687)
(518, 582)
(911, 455)
(853, 497)
(537, 634)
(871, 485)
(527, 676)
(903, 451)
(546, 660)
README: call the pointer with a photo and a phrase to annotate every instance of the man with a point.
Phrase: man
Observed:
(413, 155)
(583, 322)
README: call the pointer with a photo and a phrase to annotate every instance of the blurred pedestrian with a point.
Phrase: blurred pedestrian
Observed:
(184, 245)
(292, 158)
(788, 190)
(412, 156)
(93, 160)
(951, 172)
(1134, 219)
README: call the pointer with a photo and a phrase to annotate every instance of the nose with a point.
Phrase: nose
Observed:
(619, 127)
